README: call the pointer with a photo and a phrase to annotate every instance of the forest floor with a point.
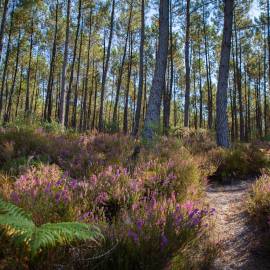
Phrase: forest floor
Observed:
(235, 236)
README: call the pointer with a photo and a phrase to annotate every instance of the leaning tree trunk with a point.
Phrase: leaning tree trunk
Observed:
(221, 101)
(152, 120)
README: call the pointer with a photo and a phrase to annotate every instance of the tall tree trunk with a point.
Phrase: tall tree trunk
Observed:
(125, 121)
(119, 81)
(2, 27)
(95, 103)
(8, 112)
(62, 108)
(221, 101)
(6, 62)
(239, 82)
(89, 109)
(234, 96)
(19, 93)
(141, 71)
(73, 64)
(86, 90)
(105, 69)
(48, 103)
(152, 120)
(75, 101)
(187, 64)
(208, 75)
(200, 87)
(246, 107)
(268, 41)
(168, 90)
(26, 108)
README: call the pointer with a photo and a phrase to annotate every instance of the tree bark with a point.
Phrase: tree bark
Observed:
(152, 120)
(6, 62)
(73, 64)
(119, 81)
(141, 71)
(221, 101)
(2, 27)
(26, 108)
(187, 65)
(125, 121)
(62, 107)
(105, 70)
(48, 103)
(8, 112)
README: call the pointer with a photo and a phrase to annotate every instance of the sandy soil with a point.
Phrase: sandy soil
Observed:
(236, 237)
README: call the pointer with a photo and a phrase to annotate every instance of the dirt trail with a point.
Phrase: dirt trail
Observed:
(236, 237)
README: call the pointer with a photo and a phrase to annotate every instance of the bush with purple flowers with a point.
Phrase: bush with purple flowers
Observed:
(46, 192)
(150, 212)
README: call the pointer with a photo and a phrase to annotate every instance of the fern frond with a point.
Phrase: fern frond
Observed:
(12, 210)
(53, 234)
(22, 231)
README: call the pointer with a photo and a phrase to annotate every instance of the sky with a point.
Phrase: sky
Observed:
(254, 10)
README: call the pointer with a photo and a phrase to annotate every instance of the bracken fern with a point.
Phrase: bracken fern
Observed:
(18, 226)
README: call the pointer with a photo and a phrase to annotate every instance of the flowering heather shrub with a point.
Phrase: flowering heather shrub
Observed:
(111, 191)
(259, 201)
(152, 211)
(22, 143)
(46, 192)
(166, 177)
(152, 232)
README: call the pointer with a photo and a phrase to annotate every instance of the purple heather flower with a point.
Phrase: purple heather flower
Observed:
(73, 183)
(188, 206)
(140, 224)
(133, 235)
(48, 188)
(178, 219)
(15, 197)
(102, 198)
(196, 221)
(59, 183)
(164, 241)
(194, 212)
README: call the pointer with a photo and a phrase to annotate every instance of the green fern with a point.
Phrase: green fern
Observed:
(22, 231)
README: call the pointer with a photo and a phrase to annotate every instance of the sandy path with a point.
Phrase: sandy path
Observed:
(235, 236)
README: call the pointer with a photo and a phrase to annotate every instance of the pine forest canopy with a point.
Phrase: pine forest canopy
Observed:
(124, 65)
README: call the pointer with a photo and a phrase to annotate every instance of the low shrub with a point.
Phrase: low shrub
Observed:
(241, 161)
(196, 140)
(20, 230)
(151, 234)
(259, 201)
(150, 213)
(46, 192)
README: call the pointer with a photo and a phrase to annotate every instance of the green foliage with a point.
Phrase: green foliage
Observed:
(195, 140)
(52, 127)
(21, 230)
(259, 201)
(242, 161)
